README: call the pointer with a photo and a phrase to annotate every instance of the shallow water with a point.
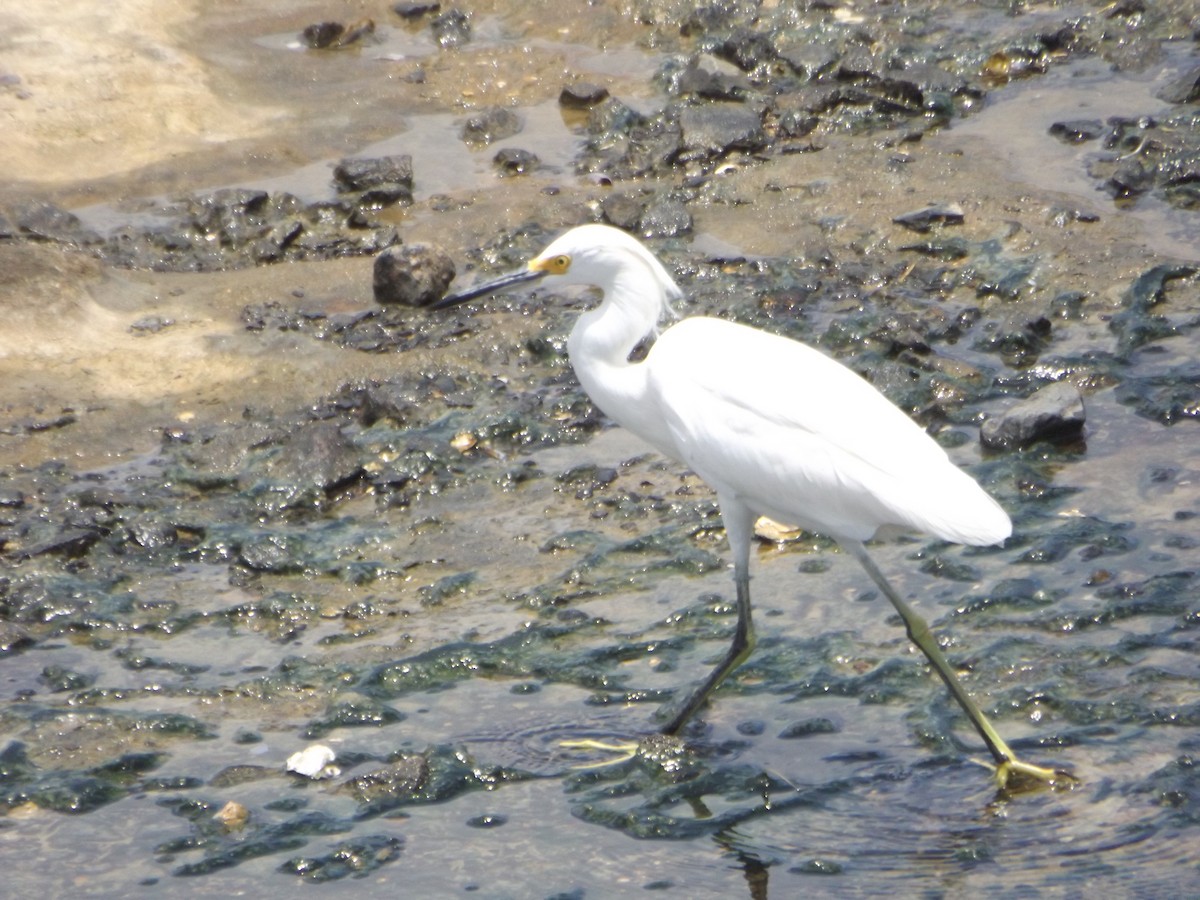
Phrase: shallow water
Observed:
(447, 619)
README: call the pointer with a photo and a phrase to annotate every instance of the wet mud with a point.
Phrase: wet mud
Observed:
(244, 509)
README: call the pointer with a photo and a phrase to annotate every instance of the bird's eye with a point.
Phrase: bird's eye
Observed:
(559, 265)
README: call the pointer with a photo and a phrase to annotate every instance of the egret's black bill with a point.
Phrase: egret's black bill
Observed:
(488, 287)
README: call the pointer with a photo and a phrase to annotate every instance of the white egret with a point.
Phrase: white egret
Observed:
(776, 428)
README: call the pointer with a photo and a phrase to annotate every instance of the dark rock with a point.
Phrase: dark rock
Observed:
(665, 217)
(582, 94)
(46, 423)
(273, 315)
(511, 161)
(396, 783)
(492, 124)
(1019, 341)
(923, 220)
(243, 773)
(70, 542)
(322, 34)
(351, 714)
(414, 10)
(624, 143)
(272, 245)
(1141, 321)
(300, 469)
(1132, 177)
(747, 49)
(705, 78)
(808, 728)
(451, 28)
(13, 637)
(1054, 413)
(151, 324)
(231, 216)
(271, 553)
(923, 79)
(350, 857)
(858, 66)
(1077, 131)
(151, 532)
(796, 123)
(806, 59)
(718, 130)
(354, 31)
(610, 118)
(386, 175)
(44, 221)
(394, 400)
(412, 274)
(58, 679)
(712, 18)
(1184, 89)
(622, 210)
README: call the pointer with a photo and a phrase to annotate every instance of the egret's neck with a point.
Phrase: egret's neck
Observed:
(599, 347)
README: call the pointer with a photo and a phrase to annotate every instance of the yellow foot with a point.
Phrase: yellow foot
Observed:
(1017, 777)
(621, 750)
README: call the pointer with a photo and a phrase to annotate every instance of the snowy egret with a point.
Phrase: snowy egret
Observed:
(813, 445)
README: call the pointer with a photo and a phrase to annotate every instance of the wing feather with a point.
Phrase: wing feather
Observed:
(800, 437)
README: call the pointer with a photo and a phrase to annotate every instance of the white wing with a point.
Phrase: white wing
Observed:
(797, 436)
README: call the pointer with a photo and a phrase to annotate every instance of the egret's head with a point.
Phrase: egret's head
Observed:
(594, 255)
(597, 255)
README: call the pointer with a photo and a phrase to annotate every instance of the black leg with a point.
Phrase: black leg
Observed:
(739, 650)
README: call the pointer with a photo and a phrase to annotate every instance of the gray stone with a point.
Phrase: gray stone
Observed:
(384, 172)
(412, 274)
(493, 124)
(716, 130)
(1054, 413)
(1184, 89)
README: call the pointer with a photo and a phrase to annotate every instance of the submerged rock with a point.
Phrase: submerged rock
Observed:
(39, 220)
(1077, 131)
(492, 124)
(924, 220)
(665, 217)
(511, 161)
(335, 35)
(1184, 89)
(582, 94)
(320, 35)
(395, 783)
(624, 210)
(353, 857)
(414, 9)
(1054, 413)
(451, 28)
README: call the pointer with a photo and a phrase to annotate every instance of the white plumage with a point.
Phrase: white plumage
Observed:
(775, 427)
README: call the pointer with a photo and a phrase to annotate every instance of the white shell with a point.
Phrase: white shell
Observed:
(313, 762)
